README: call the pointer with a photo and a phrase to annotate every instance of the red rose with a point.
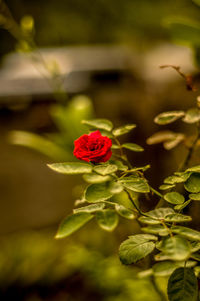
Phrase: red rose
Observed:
(93, 147)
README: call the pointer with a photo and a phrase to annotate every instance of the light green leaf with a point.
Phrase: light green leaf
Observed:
(166, 186)
(164, 269)
(175, 248)
(124, 212)
(71, 168)
(115, 187)
(90, 208)
(133, 147)
(193, 183)
(182, 206)
(72, 223)
(195, 168)
(160, 137)
(173, 142)
(178, 178)
(107, 219)
(186, 232)
(94, 178)
(168, 117)
(156, 216)
(136, 248)
(135, 184)
(174, 198)
(182, 285)
(195, 246)
(194, 196)
(105, 169)
(192, 115)
(102, 124)
(123, 129)
(97, 193)
(156, 229)
(177, 218)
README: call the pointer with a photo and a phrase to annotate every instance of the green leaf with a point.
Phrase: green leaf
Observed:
(94, 178)
(133, 147)
(178, 178)
(71, 168)
(123, 129)
(156, 229)
(182, 206)
(195, 246)
(194, 196)
(115, 187)
(173, 142)
(174, 198)
(124, 212)
(175, 248)
(195, 168)
(72, 223)
(136, 248)
(102, 124)
(156, 216)
(160, 137)
(177, 218)
(184, 30)
(107, 219)
(182, 285)
(105, 169)
(193, 183)
(97, 193)
(90, 208)
(163, 269)
(166, 186)
(186, 232)
(119, 165)
(135, 184)
(168, 117)
(192, 115)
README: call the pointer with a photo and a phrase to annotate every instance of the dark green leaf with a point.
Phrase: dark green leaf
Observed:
(71, 168)
(168, 117)
(193, 183)
(107, 219)
(136, 248)
(174, 198)
(102, 124)
(73, 223)
(182, 285)
(134, 147)
(97, 193)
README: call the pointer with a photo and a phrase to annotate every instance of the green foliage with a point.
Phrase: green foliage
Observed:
(101, 124)
(136, 248)
(72, 223)
(71, 168)
(133, 147)
(175, 248)
(174, 198)
(107, 219)
(168, 117)
(182, 285)
(193, 183)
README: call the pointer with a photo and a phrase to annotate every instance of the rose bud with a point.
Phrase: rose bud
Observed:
(93, 148)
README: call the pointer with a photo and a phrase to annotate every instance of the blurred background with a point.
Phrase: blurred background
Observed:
(61, 62)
